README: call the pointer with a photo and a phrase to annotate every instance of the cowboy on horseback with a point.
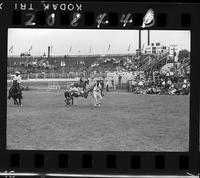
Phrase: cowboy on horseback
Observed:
(17, 77)
(15, 91)
(17, 81)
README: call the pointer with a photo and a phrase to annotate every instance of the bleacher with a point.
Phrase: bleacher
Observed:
(55, 70)
(156, 63)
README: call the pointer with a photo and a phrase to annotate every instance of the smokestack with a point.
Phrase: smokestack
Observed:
(148, 36)
(48, 51)
(139, 47)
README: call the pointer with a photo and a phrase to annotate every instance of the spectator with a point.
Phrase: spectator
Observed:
(185, 87)
(185, 81)
(141, 83)
(120, 77)
(134, 84)
(169, 83)
(163, 83)
(112, 82)
(102, 87)
(107, 85)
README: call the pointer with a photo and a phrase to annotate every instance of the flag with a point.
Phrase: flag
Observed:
(129, 47)
(143, 46)
(11, 49)
(30, 49)
(109, 47)
(70, 49)
(51, 49)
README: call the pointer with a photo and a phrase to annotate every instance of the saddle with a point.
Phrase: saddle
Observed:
(75, 94)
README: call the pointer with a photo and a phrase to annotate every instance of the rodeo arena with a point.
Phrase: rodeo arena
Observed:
(116, 102)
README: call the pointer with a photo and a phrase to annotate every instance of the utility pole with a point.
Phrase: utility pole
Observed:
(174, 55)
(148, 37)
(49, 53)
(139, 45)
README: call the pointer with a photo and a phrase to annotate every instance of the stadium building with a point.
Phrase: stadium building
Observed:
(155, 48)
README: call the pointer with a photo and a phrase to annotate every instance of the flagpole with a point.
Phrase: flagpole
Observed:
(51, 50)
(108, 49)
(129, 46)
(90, 50)
(30, 49)
(70, 49)
(11, 50)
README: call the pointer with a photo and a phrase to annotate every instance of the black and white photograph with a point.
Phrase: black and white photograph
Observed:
(98, 90)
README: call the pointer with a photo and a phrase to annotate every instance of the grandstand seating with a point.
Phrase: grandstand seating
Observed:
(154, 63)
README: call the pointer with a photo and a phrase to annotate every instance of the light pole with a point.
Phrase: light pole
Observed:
(174, 55)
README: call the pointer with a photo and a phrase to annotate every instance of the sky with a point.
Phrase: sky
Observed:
(81, 40)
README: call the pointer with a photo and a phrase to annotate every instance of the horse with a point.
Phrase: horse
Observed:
(69, 95)
(82, 84)
(89, 91)
(15, 93)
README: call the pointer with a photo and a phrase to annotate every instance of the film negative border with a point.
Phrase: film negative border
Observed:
(99, 162)
(79, 15)
(168, 16)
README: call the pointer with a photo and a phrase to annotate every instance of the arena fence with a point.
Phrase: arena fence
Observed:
(53, 86)
(53, 75)
(46, 76)
(60, 81)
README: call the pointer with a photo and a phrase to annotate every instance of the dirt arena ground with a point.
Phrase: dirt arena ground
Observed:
(124, 122)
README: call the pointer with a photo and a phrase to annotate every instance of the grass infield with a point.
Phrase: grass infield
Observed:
(124, 122)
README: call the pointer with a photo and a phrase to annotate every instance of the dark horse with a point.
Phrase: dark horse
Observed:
(15, 93)
(69, 96)
(82, 84)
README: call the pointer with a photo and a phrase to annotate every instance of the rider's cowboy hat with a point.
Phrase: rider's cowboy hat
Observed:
(17, 72)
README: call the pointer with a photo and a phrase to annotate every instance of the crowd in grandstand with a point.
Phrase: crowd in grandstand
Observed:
(161, 85)
(147, 84)
(34, 65)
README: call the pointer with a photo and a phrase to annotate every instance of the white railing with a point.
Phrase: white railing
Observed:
(45, 76)
(52, 76)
